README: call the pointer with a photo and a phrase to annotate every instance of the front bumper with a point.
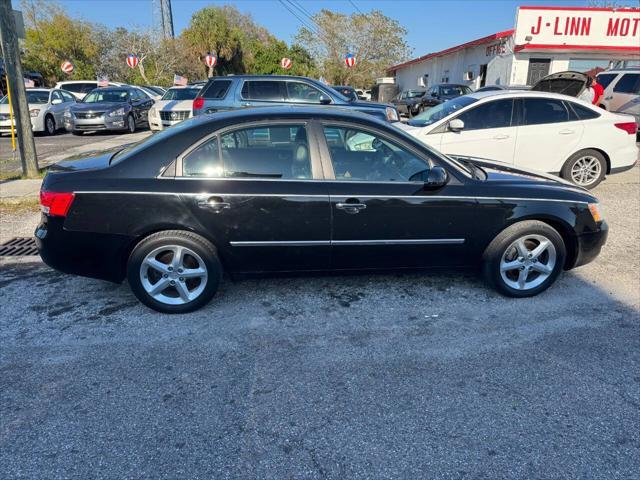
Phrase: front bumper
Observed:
(100, 256)
(103, 122)
(589, 245)
(37, 125)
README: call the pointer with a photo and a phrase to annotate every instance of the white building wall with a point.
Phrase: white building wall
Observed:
(449, 68)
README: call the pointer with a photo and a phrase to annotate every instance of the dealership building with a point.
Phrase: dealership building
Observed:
(545, 40)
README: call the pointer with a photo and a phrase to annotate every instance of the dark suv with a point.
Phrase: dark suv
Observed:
(239, 91)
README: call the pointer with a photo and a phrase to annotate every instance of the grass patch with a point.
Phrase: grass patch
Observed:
(8, 176)
(21, 206)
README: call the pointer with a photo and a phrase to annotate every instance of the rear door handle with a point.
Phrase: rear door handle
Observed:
(216, 204)
(566, 132)
(246, 104)
(351, 208)
(501, 137)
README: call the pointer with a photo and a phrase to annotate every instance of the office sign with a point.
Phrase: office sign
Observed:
(558, 28)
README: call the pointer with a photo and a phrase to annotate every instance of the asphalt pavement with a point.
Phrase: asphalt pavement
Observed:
(51, 149)
(412, 376)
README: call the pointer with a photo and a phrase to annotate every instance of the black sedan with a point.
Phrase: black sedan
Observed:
(409, 102)
(303, 189)
(442, 92)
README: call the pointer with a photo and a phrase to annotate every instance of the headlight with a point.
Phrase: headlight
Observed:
(392, 114)
(117, 113)
(594, 208)
(34, 112)
(67, 114)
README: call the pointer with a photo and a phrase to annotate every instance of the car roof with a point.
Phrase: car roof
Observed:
(262, 77)
(39, 89)
(516, 93)
(621, 70)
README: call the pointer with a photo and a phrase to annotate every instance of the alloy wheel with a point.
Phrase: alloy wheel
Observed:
(528, 262)
(586, 170)
(173, 275)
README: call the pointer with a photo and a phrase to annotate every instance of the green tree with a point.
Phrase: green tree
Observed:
(376, 40)
(53, 37)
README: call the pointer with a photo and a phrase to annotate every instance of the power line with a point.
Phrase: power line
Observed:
(356, 7)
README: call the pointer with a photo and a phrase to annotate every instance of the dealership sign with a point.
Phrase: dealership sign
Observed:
(559, 28)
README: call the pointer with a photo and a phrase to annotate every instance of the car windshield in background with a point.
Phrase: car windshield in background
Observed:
(32, 97)
(348, 93)
(181, 94)
(102, 96)
(454, 90)
(440, 111)
(415, 93)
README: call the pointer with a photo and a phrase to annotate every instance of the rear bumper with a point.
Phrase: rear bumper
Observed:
(92, 255)
(590, 245)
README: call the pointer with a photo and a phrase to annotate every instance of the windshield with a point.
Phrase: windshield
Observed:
(41, 96)
(101, 96)
(440, 111)
(415, 93)
(181, 94)
(454, 90)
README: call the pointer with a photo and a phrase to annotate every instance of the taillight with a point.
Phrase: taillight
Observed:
(56, 204)
(198, 103)
(630, 127)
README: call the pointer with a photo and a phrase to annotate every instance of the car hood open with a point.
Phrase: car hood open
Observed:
(566, 83)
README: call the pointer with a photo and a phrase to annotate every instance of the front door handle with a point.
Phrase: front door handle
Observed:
(351, 207)
(566, 132)
(216, 204)
(501, 137)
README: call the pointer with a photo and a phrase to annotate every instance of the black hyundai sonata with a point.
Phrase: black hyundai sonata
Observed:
(303, 189)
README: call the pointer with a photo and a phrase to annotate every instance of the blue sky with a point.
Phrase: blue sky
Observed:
(431, 25)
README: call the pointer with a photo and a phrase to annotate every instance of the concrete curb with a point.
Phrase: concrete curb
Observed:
(15, 190)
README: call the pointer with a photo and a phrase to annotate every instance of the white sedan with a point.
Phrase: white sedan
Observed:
(536, 130)
(46, 109)
(174, 106)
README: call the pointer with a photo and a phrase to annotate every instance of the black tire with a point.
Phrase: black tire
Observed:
(49, 125)
(199, 245)
(131, 124)
(493, 256)
(568, 166)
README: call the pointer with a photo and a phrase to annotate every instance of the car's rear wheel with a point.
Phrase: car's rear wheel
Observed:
(174, 271)
(524, 259)
(131, 124)
(49, 125)
(585, 168)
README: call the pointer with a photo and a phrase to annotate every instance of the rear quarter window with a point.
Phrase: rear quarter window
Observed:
(216, 90)
(629, 83)
(582, 112)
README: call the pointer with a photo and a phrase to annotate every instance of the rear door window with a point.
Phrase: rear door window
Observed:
(263, 90)
(495, 114)
(203, 161)
(216, 90)
(275, 152)
(629, 83)
(538, 111)
(300, 92)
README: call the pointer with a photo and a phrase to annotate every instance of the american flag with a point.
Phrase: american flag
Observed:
(103, 81)
(28, 83)
(178, 80)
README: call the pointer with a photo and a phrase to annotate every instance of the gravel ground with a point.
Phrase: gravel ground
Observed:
(343, 377)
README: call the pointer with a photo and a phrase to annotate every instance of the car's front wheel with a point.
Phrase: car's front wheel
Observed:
(585, 168)
(174, 271)
(131, 124)
(49, 125)
(524, 259)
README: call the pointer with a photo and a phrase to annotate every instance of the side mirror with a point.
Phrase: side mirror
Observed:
(436, 178)
(456, 125)
(56, 101)
(324, 100)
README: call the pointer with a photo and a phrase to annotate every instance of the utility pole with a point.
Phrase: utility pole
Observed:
(15, 78)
